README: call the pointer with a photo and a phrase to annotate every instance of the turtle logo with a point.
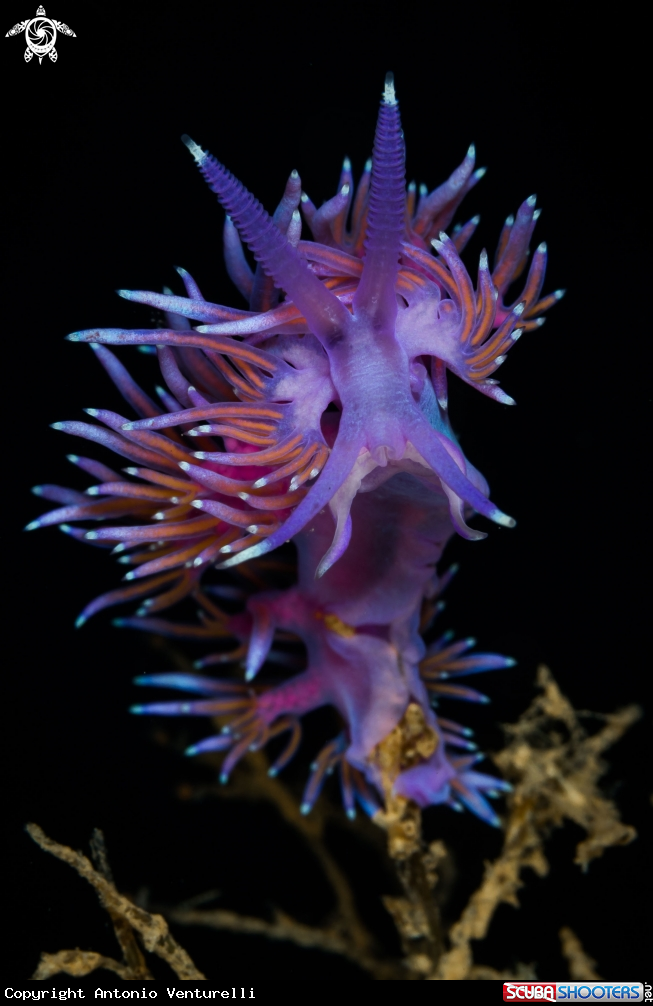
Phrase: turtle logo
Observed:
(40, 35)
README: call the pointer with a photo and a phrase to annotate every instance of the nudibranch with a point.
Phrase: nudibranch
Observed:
(320, 415)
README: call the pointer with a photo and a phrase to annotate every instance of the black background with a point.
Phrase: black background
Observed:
(103, 195)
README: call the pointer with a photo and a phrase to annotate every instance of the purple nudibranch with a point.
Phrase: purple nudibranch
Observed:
(318, 414)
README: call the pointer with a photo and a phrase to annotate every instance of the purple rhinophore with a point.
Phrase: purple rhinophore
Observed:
(318, 413)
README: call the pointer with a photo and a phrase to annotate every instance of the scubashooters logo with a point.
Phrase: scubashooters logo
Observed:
(569, 992)
(40, 35)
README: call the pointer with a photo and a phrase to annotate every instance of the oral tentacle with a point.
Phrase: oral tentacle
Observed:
(341, 540)
(333, 475)
(437, 451)
(263, 629)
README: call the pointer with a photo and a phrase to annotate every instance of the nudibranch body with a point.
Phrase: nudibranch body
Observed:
(320, 415)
